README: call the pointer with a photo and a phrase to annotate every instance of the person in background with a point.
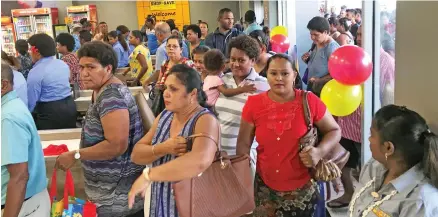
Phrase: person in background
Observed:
(22, 48)
(186, 114)
(75, 33)
(85, 36)
(86, 25)
(262, 59)
(116, 39)
(220, 38)
(204, 29)
(193, 38)
(24, 184)
(346, 37)
(48, 86)
(125, 33)
(185, 31)
(342, 13)
(283, 183)
(243, 53)
(214, 61)
(250, 20)
(140, 60)
(65, 45)
(267, 31)
(102, 32)
(198, 60)
(20, 85)
(112, 126)
(401, 179)
(358, 17)
(317, 60)
(334, 22)
(163, 32)
(149, 30)
(351, 16)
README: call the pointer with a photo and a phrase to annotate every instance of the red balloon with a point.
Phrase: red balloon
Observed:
(350, 65)
(279, 43)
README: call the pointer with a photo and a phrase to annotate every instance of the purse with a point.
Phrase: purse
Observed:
(156, 95)
(330, 166)
(225, 189)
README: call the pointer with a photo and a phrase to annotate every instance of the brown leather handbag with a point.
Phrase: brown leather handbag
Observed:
(330, 166)
(225, 189)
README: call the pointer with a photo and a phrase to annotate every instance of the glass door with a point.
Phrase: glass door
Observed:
(23, 27)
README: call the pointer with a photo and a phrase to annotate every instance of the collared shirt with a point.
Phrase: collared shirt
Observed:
(20, 86)
(122, 55)
(252, 27)
(414, 197)
(48, 81)
(152, 40)
(220, 41)
(20, 144)
(161, 55)
(230, 108)
(135, 65)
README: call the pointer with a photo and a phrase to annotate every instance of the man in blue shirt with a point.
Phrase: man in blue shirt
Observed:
(250, 19)
(162, 31)
(23, 181)
(48, 86)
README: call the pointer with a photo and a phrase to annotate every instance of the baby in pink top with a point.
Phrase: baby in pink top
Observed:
(214, 62)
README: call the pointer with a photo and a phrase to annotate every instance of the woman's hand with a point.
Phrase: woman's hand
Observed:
(305, 57)
(65, 160)
(310, 156)
(139, 187)
(176, 146)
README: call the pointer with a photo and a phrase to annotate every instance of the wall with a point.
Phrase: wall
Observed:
(416, 74)
(208, 11)
(115, 13)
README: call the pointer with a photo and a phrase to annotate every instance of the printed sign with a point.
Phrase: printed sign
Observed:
(159, 5)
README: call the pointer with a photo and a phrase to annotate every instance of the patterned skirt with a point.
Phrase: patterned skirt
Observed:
(301, 202)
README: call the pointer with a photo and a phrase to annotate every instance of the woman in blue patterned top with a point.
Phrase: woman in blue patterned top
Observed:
(111, 129)
(164, 145)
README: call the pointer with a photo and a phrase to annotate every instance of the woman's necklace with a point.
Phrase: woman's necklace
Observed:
(374, 194)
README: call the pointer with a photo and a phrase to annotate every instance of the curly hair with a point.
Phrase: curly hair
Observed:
(214, 60)
(246, 44)
(100, 51)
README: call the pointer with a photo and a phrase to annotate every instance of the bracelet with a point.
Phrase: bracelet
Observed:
(153, 151)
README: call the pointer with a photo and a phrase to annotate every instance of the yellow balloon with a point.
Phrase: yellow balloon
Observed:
(279, 30)
(341, 100)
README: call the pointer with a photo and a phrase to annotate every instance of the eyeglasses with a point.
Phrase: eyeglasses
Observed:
(172, 46)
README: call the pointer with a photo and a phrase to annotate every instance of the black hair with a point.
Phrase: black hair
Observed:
(358, 11)
(65, 39)
(138, 34)
(85, 35)
(100, 51)
(11, 60)
(83, 20)
(201, 49)
(44, 43)
(120, 38)
(151, 18)
(333, 21)
(180, 42)
(7, 73)
(171, 24)
(319, 24)
(266, 30)
(190, 78)
(214, 60)
(411, 137)
(203, 22)
(123, 29)
(223, 11)
(195, 28)
(260, 37)
(245, 44)
(22, 46)
(238, 26)
(344, 23)
(250, 16)
(351, 11)
(326, 15)
(103, 22)
(298, 82)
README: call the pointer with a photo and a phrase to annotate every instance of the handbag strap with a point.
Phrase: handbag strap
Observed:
(307, 113)
(68, 187)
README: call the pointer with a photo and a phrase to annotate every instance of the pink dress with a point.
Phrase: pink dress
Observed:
(211, 82)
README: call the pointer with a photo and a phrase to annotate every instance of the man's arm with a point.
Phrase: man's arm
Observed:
(18, 177)
(33, 90)
(209, 41)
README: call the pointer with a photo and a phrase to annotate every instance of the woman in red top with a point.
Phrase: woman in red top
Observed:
(283, 186)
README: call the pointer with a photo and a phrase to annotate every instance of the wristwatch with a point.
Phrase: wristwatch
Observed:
(146, 172)
(77, 155)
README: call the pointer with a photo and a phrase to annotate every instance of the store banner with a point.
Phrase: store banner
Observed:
(161, 5)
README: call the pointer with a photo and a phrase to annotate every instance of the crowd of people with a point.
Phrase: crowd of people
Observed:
(227, 86)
